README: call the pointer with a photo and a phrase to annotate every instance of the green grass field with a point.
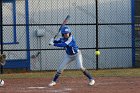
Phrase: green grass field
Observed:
(131, 72)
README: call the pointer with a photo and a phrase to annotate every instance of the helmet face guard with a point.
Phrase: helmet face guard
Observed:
(69, 35)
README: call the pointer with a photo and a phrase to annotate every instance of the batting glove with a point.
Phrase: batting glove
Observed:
(2, 59)
(51, 41)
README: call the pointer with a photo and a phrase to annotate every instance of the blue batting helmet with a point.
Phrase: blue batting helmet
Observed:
(65, 30)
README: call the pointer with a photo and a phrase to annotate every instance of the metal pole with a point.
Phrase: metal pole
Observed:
(27, 32)
(96, 33)
(1, 33)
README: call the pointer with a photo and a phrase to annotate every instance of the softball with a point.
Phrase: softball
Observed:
(97, 53)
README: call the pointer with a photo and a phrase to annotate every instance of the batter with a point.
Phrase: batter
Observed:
(72, 54)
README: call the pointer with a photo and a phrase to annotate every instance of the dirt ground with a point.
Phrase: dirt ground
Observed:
(73, 85)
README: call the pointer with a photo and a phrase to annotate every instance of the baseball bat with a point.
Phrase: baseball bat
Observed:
(64, 22)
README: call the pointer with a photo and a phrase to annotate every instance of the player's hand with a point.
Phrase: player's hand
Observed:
(51, 41)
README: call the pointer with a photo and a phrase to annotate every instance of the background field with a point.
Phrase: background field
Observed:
(107, 81)
(130, 72)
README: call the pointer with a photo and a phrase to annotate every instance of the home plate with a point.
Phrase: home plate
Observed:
(36, 87)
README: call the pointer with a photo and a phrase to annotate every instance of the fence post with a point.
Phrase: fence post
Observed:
(1, 32)
(27, 33)
(96, 33)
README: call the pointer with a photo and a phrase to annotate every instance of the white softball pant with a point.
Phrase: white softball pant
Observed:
(72, 58)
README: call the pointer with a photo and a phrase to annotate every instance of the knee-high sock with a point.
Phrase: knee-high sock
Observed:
(56, 76)
(86, 73)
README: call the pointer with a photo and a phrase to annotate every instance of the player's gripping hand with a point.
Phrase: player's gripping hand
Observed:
(51, 42)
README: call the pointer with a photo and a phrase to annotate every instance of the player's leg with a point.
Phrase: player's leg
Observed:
(79, 60)
(91, 79)
(59, 71)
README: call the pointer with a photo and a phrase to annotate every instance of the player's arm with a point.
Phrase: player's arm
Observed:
(54, 41)
(57, 40)
(64, 44)
(60, 44)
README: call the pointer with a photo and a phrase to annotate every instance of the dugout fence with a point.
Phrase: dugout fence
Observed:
(104, 25)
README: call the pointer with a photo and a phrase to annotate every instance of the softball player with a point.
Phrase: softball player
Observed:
(72, 53)
(2, 63)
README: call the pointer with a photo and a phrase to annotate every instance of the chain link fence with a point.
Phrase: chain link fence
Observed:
(28, 25)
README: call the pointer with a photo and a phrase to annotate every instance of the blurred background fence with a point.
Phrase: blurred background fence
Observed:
(105, 25)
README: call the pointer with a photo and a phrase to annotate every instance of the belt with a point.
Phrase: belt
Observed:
(74, 53)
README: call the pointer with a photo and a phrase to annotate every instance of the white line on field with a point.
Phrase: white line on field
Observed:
(36, 87)
(64, 90)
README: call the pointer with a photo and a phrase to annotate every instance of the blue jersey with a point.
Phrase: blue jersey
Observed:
(68, 43)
